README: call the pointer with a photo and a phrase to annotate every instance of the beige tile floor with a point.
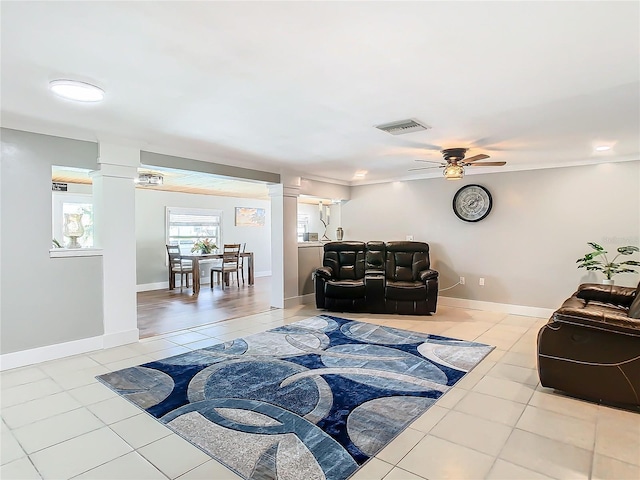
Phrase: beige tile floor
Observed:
(58, 422)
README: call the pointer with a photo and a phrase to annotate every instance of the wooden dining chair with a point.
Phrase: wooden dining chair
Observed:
(230, 263)
(178, 266)
(241, 260)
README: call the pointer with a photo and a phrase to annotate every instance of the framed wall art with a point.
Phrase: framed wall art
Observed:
(250, 217)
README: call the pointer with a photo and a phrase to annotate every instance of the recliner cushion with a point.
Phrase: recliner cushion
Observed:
(344, 289)
(634, 309)
(347, 265)
(614, 294)
(405, 291)
(403, 266)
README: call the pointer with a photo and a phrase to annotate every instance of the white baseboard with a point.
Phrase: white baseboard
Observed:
(49, 352)
(66, 349)
(120, 338)
(308, 299)
(496, 307)
(292, 302)
(147, 287)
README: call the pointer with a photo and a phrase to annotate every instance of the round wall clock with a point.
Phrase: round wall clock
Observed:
(472, 203)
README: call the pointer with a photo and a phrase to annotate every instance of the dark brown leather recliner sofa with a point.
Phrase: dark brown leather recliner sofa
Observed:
(590, 348)
(377, 277)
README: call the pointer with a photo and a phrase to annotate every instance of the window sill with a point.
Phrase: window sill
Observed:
(75, 252)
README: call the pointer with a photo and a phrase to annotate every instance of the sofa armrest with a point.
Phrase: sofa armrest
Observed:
(324, 272)
(613, 294)
(428, 275)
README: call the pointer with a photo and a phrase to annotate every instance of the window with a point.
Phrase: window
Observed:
(72, 203)
(303, 226)
(185, 226)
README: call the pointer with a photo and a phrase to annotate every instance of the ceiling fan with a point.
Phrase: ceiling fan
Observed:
(455, 162)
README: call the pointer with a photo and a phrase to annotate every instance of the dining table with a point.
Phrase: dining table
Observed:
(196, 258)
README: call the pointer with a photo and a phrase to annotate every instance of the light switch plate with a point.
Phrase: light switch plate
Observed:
(410, 238)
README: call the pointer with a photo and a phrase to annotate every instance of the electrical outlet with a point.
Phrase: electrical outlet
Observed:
(461, 280)
(481, 282)
(410, 238)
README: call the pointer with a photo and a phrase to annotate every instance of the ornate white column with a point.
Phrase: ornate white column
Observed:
(114, 204)
(284, 241)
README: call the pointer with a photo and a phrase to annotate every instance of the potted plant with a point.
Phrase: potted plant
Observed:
(597, 260)
(204, 245)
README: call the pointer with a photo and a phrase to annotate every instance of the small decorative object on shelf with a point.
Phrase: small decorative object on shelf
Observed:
(73, 229)
(204, 245)
(339, 234)
(55, 243)
(609, 268)
(325, 218)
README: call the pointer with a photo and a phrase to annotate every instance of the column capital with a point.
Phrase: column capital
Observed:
(114, 171)
(280, 190)
(116, 154)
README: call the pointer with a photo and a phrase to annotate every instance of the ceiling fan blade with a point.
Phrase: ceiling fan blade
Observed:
(425, 168)
(488, 164)
(427, 161)
(475, 158)
(416, 144)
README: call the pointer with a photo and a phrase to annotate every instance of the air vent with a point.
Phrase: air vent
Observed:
(403, 126)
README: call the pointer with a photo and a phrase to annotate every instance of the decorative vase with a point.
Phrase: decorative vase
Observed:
(73, 229)
(607, 281)
(339, 234)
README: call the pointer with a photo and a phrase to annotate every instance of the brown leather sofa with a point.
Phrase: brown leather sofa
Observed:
(377, 277)
(590, 348)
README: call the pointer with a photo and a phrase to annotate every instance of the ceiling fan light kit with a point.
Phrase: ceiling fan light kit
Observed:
(453, 172)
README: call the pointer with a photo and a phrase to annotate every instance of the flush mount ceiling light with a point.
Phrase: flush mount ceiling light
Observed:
(148, 179)
(453, 172)
(360, 174)
(602, 148)
(75, 90)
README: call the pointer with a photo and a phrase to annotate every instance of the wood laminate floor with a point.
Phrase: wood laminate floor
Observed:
(164, 311)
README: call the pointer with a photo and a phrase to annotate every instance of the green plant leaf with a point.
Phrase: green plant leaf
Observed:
(592, 262)
(595, 246)
(630, 262)
(626, 270)
(628, 250)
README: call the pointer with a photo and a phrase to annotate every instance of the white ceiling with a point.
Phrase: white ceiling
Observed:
(298, 86)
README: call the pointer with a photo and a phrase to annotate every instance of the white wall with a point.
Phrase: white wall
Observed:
(151, 235)
(527, 247)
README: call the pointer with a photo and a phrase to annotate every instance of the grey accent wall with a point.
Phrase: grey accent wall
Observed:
(151, 251)
(44, 300)
(527, 247)
(169, 161)
(316, 188)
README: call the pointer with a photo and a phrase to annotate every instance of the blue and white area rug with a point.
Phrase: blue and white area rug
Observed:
(311, 400)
